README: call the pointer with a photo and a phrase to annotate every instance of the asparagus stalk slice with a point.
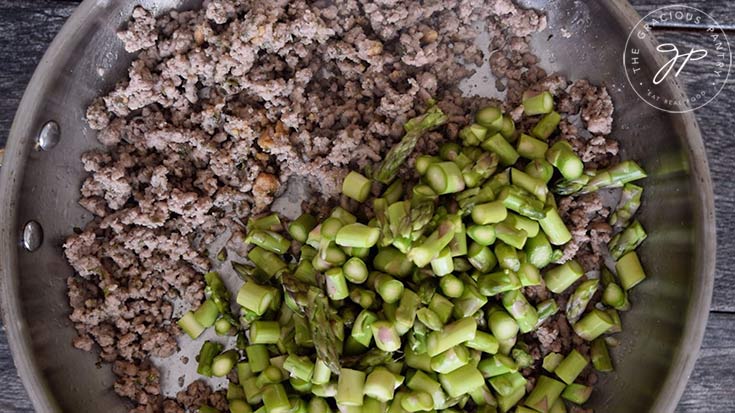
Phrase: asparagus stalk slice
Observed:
(628, 240)
(219, 294)
(593, 324)
(538, 251)
(544, 394)
(487, 343)
(519, 308)
(540, 169)
(482, 234)
(206, 356)
(565, 160)
(531, 227)
(509, 129)
(562, 277)
(577, 393)
(600, 355)
(389, 289)
(190, 325)
(506, 384)
(239, 406)
(579, 300)
(630, 271)
(450, 359)
(385, 335)
(505, 403)
(390, 260)
(255, 297)
(443, 263)
(546, 126)
(267, 261)
(264, 332)
(529, 275)
(529, 183)
(554, 227)
(498, 282)
(498, 145)
(502, 325)
(552, 361)
(275, 398)
(420, 381)
(531, 148)
(350, 387)
(357, 236)
(451, 335)
(422, 254)
(546, 309)
(473, 135)
(521, 201)
(270, 222)
(269, 241)
(423, 163)
(442, 307)
(461, 381)
(571, 367)
(615, 297)
(223, 363)
(538, 104)
(470, 302)
(630, 201)
(415, 128)
(445, 178)
(381, 384)
(356, 186)
(497, 365)
(490, 117)
(300, 228)
(514, 237)
(481, 257)
(507, 257)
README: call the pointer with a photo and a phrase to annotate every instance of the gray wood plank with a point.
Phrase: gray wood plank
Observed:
(720, 10)
(13, 397)
(711, 383)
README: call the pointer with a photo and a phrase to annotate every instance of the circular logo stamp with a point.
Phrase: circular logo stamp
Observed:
(701, 62)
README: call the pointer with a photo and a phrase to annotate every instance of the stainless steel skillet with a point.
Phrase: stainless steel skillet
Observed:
(663, 332)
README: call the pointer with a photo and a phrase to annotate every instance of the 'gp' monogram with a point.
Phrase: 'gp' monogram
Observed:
(693, 55)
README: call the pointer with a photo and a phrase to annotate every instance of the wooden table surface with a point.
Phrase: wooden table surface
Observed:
(28, 26)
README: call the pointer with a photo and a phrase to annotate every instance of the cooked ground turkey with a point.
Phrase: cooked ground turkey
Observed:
(223, 105)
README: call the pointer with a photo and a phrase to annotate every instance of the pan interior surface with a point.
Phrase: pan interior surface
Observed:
(662, 333)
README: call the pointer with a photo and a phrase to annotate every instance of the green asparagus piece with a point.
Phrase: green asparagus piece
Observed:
(630, 271)
(519, 308)
(628, 240)
(565, 160)
(538, 104)
(509, 129)
(600, 355)
(579, 300)
(415, 128)
(507, 256)
(445, 178)
(544, 394)
(562, 277)
(546, 309)
(552, 361)
(498, 282)
(505, 151)
(540, 169)
(546, 126)
(522, 202)
(481, 257)
(206, 356)
(269, 241)
(531, 148)
(593, 324)
(490, 117)
(630, 201)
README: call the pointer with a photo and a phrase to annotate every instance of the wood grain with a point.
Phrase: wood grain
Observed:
(28, 26)
(720, 10)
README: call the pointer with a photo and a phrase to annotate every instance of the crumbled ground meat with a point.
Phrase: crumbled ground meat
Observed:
(221, 107)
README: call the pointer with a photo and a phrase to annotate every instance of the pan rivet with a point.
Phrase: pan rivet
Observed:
(32, 236)
(49, 136)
